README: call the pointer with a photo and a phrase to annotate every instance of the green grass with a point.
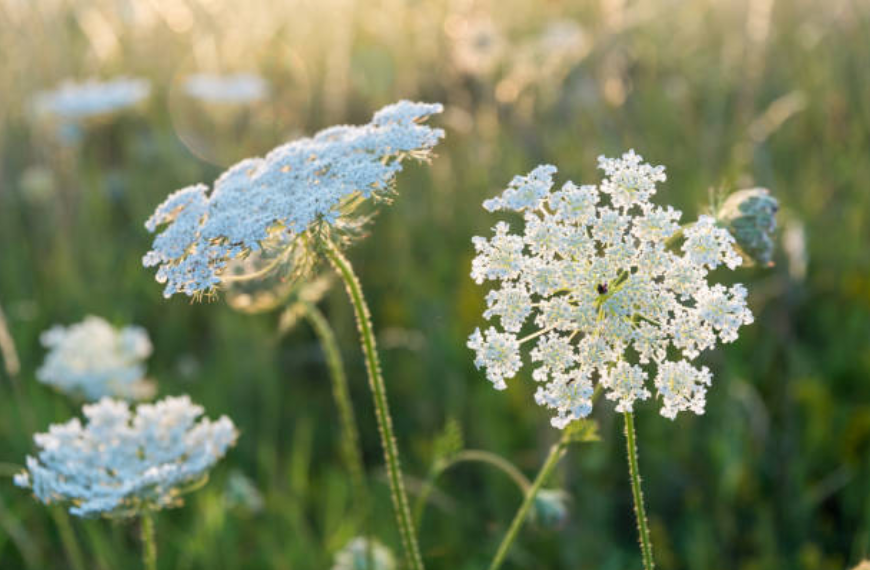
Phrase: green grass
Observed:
(775, 475)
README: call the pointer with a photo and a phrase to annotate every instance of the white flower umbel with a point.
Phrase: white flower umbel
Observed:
(92, 359)
(121, 463)
(607, 285)
(294, 194)
(73, 101)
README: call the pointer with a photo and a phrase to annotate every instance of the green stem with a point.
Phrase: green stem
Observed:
(557, 451)
(350, 435)
(382, 411)
(149, 544)
(68, 538)
(469, 455)
(639, 509)
(12, 367)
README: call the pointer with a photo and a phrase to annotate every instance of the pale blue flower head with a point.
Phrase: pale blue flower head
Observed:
(298, 193)
(122, 462)
(93, 359)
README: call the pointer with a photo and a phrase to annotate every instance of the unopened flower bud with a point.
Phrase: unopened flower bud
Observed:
(750, 216)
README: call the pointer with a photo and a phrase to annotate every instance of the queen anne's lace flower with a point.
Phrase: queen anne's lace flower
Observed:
(121, 462)
(607, 283)
(73, 101)
(231, 89)
(296, 191)
(92, 359)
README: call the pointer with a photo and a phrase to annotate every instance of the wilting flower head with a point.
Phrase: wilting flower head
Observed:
(606, 282)
(297, 194)
(73, 101)
(92, 359)
(364, 554)
(121, 462)
(231, 89)
(750, 216)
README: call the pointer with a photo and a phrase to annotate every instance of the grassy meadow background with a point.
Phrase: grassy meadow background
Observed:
(774, 93)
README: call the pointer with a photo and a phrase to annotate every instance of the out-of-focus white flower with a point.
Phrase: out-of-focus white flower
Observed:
(234, 88)
(794, 242)
(550, 508)
(92, 359)
(600, 279)
(478, 45)
(73, 101)
(364, 554)
(299, 193)
(120, 463)
(241, 493)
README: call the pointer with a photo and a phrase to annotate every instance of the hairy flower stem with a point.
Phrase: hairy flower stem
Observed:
(465, 456)
(149, 543)
(639, 509)
(350, 435)
(382, 411)
(557, 451)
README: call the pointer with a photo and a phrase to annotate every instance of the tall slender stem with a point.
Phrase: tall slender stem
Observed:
(639, 509)
(557, 451)
(350, 435)
(382, 411)
(149, 543)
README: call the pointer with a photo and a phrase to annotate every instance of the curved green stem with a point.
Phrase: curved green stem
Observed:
(637, 493)
(382, 411)
(350, 435)
(557, 451)
(149, 544)
(468, 455)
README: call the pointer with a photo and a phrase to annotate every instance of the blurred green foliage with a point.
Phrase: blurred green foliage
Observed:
(725, 94)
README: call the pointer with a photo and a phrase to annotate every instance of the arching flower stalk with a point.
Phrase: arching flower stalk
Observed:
(303, 201)
(122, 464)
(607, 289)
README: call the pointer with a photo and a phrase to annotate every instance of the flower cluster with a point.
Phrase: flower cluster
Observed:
(81, 101)
(299, 189)
(121, 462)
(92, 359)
(230, 89)
(608, 283)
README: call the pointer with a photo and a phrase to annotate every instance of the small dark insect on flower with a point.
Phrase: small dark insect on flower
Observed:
(602, 288)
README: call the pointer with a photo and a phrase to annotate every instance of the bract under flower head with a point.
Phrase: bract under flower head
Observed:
(299, 191)
(120, 463)
(93, 359)
(606, 282)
